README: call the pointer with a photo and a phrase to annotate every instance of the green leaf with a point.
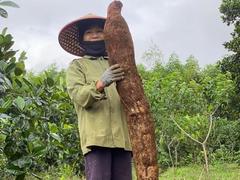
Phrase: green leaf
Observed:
(67, 127)
(20, 103)
(10, 67)
(22, 56)
(3, 65)
(8, 38)
(50, 81)
(30, 146)
(9, 3)
(1, 39)
(38, 150)
(3, 13)
(9, 54)
(7, 104)
(8, 82)
(28, 83)
(2, 138)
(24, 125)
(8, 45)
(23, 162)
(4, 31)
(19, 83)
(53, 127)
(56, 136)
(38, 102)
(4, 116)
(13, 60)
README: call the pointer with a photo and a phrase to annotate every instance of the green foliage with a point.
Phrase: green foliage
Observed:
(226, 137)
(189, 95)
(38, 129)
(231, 63)
(38, 125)
(231, 15)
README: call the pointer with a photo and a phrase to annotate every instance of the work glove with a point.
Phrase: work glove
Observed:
(112, 74)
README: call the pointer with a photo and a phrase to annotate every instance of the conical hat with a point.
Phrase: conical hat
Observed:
(71, 34)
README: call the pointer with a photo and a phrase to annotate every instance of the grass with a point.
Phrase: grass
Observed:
(193, 172)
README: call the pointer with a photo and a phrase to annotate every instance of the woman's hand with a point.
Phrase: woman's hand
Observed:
(112, 74)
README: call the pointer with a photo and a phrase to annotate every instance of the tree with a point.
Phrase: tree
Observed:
(3, 12)
(189, 95)
(231, 16)
(38, 126)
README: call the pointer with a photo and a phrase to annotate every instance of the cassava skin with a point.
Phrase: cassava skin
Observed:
(120, 50)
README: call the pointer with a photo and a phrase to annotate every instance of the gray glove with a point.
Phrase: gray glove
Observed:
(112, 74)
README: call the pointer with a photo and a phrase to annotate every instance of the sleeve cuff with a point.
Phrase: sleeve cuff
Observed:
(95, 93)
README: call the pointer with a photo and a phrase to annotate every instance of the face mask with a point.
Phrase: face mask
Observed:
(94, 48)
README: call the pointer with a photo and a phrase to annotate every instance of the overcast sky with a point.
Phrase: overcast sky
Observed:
(184, 27)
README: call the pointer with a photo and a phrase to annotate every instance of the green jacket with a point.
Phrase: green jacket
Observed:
(101, 118)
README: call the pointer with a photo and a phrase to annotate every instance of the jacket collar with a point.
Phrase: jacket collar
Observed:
(95, 58)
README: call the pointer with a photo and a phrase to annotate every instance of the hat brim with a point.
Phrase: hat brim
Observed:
(71, 34)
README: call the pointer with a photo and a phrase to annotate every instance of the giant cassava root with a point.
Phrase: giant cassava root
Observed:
(120, 50)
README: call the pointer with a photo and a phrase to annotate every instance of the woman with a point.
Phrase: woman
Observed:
(91, 86)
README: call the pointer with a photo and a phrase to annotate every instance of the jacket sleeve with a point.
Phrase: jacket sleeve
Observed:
(81, 92)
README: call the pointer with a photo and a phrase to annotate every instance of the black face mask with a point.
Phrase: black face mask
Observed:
(94, 48)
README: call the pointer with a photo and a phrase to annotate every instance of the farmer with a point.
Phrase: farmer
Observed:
(91, 86)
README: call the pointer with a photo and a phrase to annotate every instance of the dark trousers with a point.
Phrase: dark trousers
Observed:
(108, 164)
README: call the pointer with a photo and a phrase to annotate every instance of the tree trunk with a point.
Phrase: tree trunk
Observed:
(120, 50)
(206, 166)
